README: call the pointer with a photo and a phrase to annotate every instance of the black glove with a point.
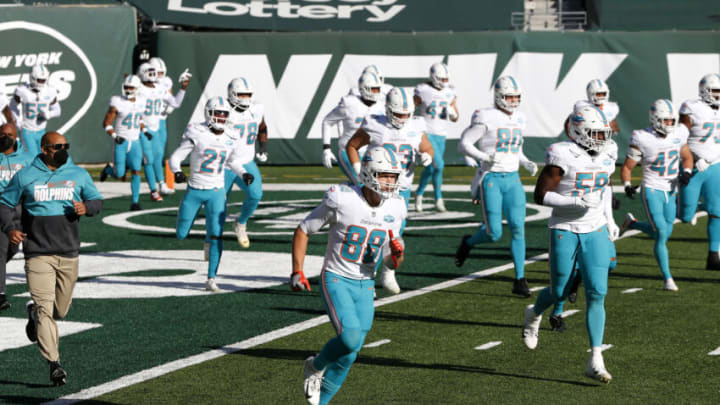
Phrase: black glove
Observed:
(119, 140)
(615, 203)
(630, 191)
(180, 177)
(684, 177)
(148, 135)
(248, 178)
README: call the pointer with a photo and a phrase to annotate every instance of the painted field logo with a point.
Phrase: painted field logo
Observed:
(71, 73)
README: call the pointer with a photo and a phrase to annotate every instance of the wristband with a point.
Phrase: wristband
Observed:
(627, 184)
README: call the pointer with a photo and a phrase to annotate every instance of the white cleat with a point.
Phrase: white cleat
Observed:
(206, 252)
(629, 220)
(211, 286)
(388, 281)
(531, 327)
(418, 203)
(670, 285)
(165, 190)
(440, 205)
(693, 221)
(596, 369)
(241, 234)
(312, 382)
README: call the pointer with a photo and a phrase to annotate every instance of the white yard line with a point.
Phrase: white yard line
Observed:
(569, 312)
(488, 345)
(538, 288)
(378, 343)
(630, 291)
(715, 352)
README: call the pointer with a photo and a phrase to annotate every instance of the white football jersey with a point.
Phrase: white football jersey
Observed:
(166, 83)
(34, 104)
(384, 90)
(129, 116)
(350, 113)
(582, 174)
(405, 142)
(156, 98)
(433, 107)
(704, 138)
(358, 232)
(660, 156)
(209, 154)
(245, 126)
(610, 108)
(503, 137)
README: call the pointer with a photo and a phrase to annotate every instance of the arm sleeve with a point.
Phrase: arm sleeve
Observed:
(186, 146)
(322, 214)
(607, 204)
(332, 119)
(523, 159)
(554, 199)
(467, 142)
(176, 100)
(236, 165)
(54, 110)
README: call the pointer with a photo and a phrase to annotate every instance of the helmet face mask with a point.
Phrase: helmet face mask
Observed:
(508, 94)
(240, 93)
(377, 163)
(709, 89)
(130, 86)
(369, 85)
(39, 76)
(661, 112)
(590, 129)
(398, 107)
(147, 73)
(439, 75)
(598, 92)
(217, 113)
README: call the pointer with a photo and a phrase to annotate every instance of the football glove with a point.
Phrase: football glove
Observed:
(425, 159)
(613, 231)
(180, 177)
(471, 162)
(684, 177)
(148, 135)
(630, 190)
(119, 140)
(184, 76)
(328, 158)
(298, 282)
(702, 165)
(248, 178)
(531, 167)
(396, 249)
(261, 157)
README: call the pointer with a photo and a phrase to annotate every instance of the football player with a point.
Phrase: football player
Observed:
(598, 94)
(155, 97)
(659, 149)
(37, 103)
(211, 149)
(124, 122)
(702, 117)
(575, 183)
(363, 221)
(498, 132)
(248, 122)
(163, 81)
(350, 113)
(7, 116)
(438, 105)
(384, 87)
(404, 136)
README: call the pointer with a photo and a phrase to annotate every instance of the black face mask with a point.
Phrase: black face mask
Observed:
(6, 143)
(58, 158)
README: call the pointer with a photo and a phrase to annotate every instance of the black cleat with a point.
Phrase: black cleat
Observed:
(572, 297)
(520, 287)
(58, 375)
(4, 303)
(463, 251)
(31, 328)
(557, 323)
(713, 261)
(135, 207)
(107, 171)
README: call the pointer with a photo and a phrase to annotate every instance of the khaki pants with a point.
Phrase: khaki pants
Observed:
(51, 280)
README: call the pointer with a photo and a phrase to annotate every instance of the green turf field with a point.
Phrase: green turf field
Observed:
(143, 288)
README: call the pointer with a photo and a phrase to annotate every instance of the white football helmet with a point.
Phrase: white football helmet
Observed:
(369, 81)
(710, 89)
(660, 111)
(440, 75)
(507, 86)
(594, 90)
(398, 104)
(238, 87)
(590, 128)
(39, 76)
(130, 86)
(217, 112)
(376, 70)
(147, 73)
(159, 66)
(380, 160)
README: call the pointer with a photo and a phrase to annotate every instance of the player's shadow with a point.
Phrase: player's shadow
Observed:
(658, 277)
(24, 384)
(394, 316)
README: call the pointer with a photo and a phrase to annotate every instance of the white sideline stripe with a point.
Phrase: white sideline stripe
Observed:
(569, 312)
(538, 288)
(630, 290)
(603, 348)
(715, 352)
(378, 343)
(488, 345)
(166, 368)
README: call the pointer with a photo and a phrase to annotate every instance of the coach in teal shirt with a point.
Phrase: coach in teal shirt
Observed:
(54, 194)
